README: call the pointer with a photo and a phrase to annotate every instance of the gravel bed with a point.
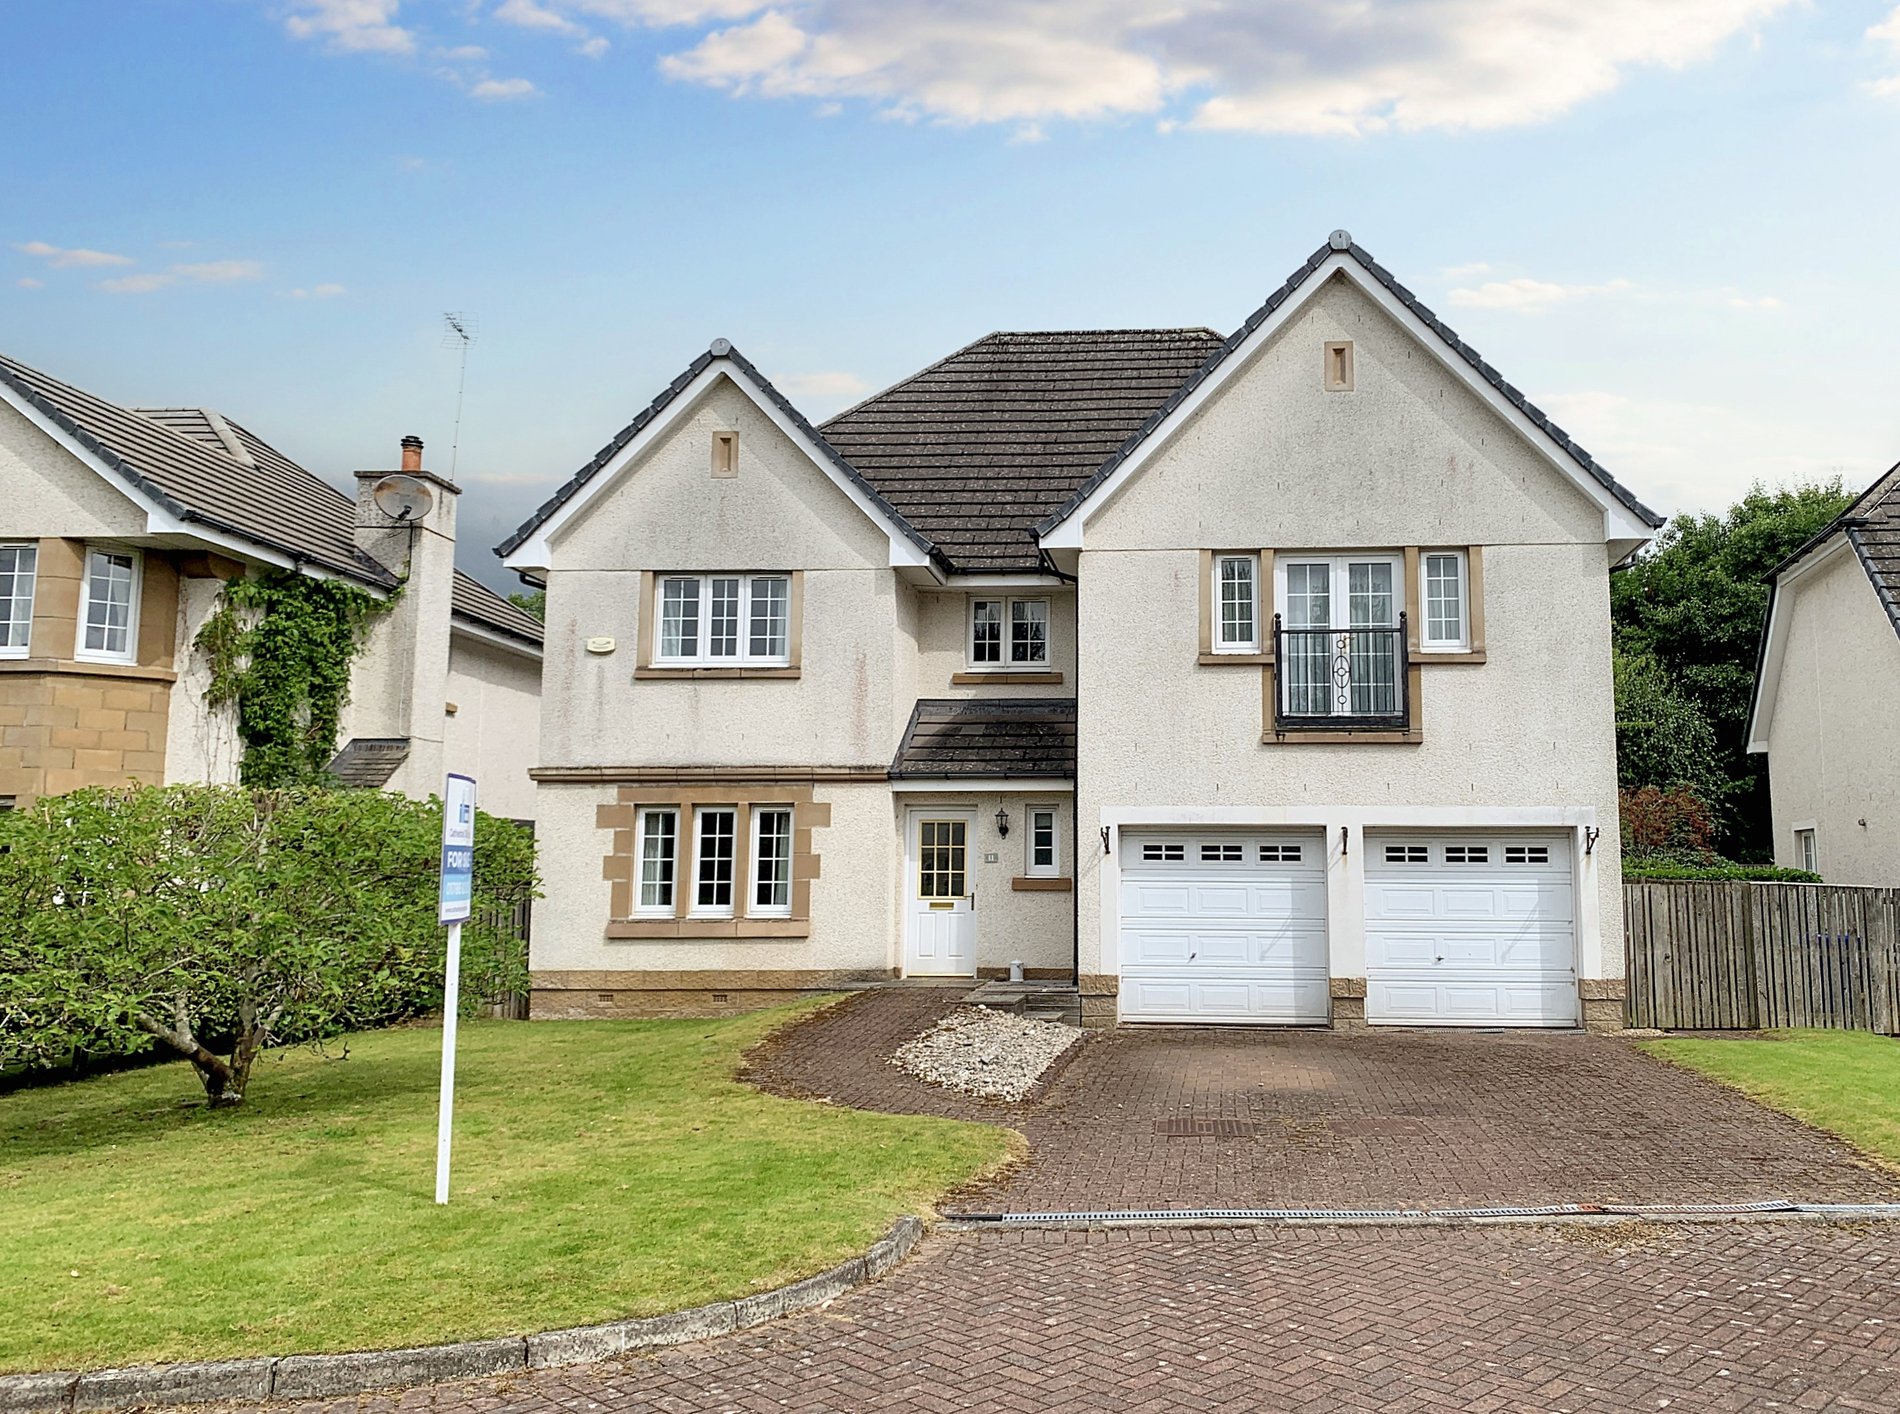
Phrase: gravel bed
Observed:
(993, 1054)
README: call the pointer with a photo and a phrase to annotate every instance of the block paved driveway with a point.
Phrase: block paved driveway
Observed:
(1409, 1118)
(1757, 1315)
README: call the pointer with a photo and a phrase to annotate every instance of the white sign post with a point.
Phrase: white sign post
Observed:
(452, 907)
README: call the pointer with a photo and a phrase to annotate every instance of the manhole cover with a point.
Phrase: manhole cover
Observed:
(1190, 1128)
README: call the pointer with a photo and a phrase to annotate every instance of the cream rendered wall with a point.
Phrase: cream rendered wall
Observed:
(1409, 458)
(200, 744)
(50, 493)
(494, 735)
(1833, 750)
(667, 512)
(943, 644)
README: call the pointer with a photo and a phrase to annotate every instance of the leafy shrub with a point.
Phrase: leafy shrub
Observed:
(1655, 868)
(218, 920)
(1656, 821)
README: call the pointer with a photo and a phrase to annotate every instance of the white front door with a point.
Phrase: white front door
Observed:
(1470, 930)
(1224, 926)
(940, 896)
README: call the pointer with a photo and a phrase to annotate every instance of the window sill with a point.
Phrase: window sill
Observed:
(977, 677)
(1433, 655)
(652, 673)
(1370, 736)
(1042, 885)
(87, 667)
(634, 928)
(1235, 660)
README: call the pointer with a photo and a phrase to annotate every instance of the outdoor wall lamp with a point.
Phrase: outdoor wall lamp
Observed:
(1002, 823)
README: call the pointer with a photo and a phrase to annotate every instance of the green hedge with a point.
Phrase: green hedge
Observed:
(224, 912)
(1724, 869)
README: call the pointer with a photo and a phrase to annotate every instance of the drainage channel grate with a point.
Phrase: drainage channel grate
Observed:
(1189, 1128)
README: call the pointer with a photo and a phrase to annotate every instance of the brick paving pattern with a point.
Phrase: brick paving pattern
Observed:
(1747, 1316)
(1369, 1119)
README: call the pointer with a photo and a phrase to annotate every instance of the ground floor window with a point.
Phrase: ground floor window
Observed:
(771, 861)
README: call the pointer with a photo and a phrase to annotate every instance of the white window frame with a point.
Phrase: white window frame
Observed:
(1031, 869)
(1426, 642)
(30, 575)
(755, 909)
(1339, 608)
(1807, 847)
(641, 907)
(728, 909)
(130, 653)
(1221, 643)
(1006, 629)
(702, 655)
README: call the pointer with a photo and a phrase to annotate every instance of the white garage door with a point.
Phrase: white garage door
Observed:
(1223, 926)
(1470, 930)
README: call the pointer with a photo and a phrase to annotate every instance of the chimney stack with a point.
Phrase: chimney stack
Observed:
(412, 453)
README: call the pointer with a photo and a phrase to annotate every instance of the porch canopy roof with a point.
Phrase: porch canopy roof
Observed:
(988, 739)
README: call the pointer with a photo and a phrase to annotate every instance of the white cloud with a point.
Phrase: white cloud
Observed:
(137, 284)
(464, 54)
(319, 292)
(1680, 456)
(503, 90)
(830, 384)
(1888, 32)
(352, 26)
(593, 48)
(1270, 66)
(67, 258)
(1526, 296)
(220, 272)
(27, 282)
(529, 14)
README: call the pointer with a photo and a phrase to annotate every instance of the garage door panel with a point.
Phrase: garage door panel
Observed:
(1289, 1001)
(1224, 926)
(1470, 931)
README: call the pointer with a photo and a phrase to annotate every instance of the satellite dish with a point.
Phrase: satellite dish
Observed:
(402, 498)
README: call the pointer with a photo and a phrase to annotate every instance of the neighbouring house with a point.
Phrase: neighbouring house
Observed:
(119, 528)
(1257, 678)
(1829, 671)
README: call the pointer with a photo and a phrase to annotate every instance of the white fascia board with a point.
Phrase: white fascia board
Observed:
(159, 519)
(985, 785)
(535, 556)
(1619, 522)
(1006, 582)
(464, 628)
(1761, 711)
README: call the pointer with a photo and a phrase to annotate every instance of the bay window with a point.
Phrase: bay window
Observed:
(17, 573)
(108, 617)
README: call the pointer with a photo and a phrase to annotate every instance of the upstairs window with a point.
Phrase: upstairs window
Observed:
(1236, 604)
(1341, 640)
(1009, 633)
(17, 565)
(108, 619)
(724, 620)
(1445, 595)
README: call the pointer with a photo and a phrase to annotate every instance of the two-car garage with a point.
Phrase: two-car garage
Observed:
(1461, 928)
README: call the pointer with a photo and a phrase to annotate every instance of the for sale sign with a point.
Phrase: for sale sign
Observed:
(458, 850)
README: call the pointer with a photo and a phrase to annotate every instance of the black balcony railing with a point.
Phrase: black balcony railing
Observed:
(1340, 679)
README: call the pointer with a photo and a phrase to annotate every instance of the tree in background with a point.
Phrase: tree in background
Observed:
(1693, 605)
(216, 921)
(534, 601)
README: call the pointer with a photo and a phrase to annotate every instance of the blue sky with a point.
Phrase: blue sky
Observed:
(1674, 225)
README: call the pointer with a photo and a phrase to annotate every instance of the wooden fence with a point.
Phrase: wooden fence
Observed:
(1740, 956)
(511, 920)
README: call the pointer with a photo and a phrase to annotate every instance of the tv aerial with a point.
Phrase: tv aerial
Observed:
(459, 330)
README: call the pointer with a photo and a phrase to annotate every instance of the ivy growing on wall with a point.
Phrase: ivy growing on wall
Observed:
(280, 648)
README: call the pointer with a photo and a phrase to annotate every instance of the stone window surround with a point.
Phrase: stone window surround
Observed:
(621, 866)
(1419, 657)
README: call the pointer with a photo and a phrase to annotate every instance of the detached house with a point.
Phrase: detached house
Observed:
(119, 528)
(1830, 665)
(1249, 678)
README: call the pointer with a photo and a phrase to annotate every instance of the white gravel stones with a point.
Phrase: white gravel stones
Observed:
(993, 1054)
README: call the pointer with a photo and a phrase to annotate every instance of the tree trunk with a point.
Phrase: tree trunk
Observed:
(224, 1087)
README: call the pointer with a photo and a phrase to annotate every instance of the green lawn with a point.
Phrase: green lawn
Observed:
(602, 1169)
(1846, 1082)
